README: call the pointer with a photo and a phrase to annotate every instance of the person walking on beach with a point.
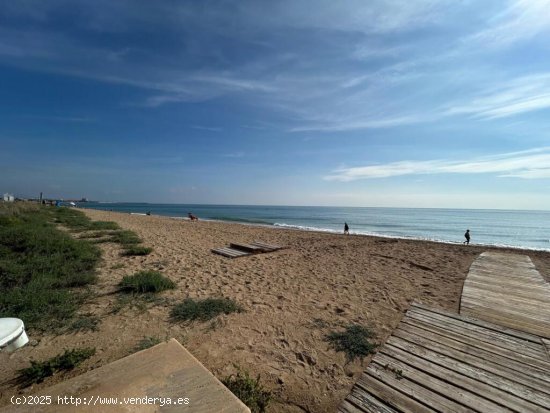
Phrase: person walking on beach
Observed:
(346, 228)
(467, 236)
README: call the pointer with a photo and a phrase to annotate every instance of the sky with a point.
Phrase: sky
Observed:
(344, 103)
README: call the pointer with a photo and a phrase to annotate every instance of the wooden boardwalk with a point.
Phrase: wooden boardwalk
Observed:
(507, 289)
(441, 362)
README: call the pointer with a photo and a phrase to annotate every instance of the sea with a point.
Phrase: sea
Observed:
(504, 228)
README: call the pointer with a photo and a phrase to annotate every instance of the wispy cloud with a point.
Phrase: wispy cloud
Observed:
(358, 65)
(525, 94)
(344, 124)
(521, 20)
(530, 164)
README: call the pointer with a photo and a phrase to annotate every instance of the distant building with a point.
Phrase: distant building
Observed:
(9, 198)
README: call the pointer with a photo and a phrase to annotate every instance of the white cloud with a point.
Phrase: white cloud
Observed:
(521, 95)
(351, 124)
(313, 64)
(530, 164)
(521, 20)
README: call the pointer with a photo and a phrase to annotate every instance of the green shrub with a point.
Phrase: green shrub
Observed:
(102, 226)
(147, 342)
(39, 370)
(125, 238)
(204, 310)
(73, 219)
(249, 391)
(94, 234)
(39, 268)
(146, 282)
(354, 341)
(84, 323)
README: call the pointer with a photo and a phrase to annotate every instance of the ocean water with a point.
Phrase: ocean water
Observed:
(519, 229)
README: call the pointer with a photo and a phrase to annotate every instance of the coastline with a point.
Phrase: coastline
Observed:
(353, 231)
(292, 299)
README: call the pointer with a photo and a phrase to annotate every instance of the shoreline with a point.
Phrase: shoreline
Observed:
(336, 232)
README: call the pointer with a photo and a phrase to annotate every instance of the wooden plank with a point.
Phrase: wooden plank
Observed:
(367, 403)
(505, 384)
(489, 347)
(503, 263)
(537, 371)
(489, 362)
(347, 407)
(521, 285)
(221, 252)
(529, 303)
(538, 295)
(415, 384)
(511, 320)
(245, 247)
(485, 324)
(393, 398)
(474, 336)
(547, 346)
(488, 283)
(524, 291)
(266, 246)
(458, 399)
(229, 252)
(166, 370)
(460, 380)
(478, 330)
(509, 307)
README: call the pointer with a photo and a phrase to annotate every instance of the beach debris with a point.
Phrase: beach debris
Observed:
(420, 266)
(237, 249)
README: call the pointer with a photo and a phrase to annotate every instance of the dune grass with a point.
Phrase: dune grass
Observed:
(146, 282)
(147, 342)
(40, 370)
(79, 222)
(41, 267)
(85, 323)
(354, 341)
(249, 391)
(125, 238)
(100, 231)
(204, 310)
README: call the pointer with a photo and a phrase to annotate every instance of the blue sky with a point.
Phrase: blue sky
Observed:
(380, 103)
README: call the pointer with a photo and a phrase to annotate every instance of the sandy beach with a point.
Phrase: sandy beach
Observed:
(292, 299)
